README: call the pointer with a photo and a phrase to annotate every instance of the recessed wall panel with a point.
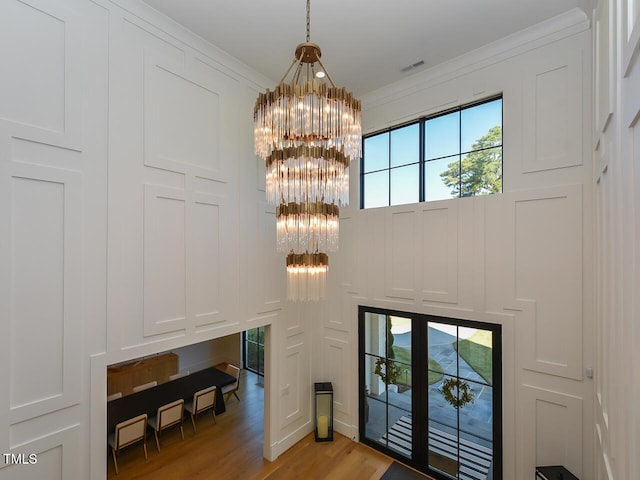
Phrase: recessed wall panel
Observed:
(291, 401)
(400, 258)
(550, 421)
(48, 464)
(337, 355)
(438, 252)
(558, 420)
(346, 269)
(46, 456)
(37, 289)
(552, 433)
(271, 284)
(205, 263)
(181, 120)
(635, 326)
(32, 48)
(164, 260)
(603, 66)
(434, 249)
(633, 17)
(340, 310)
(548, 266)
(552, 133)
(552, 90)
(631, 33)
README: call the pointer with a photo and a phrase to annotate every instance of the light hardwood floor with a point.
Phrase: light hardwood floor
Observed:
(232, 449)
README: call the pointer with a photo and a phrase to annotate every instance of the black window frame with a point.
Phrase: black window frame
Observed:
(245, 351)
(422, 151)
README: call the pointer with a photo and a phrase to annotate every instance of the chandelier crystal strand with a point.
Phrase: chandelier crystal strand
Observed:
(306, 276)
(307, 132)
(307, 174)
(307, 227)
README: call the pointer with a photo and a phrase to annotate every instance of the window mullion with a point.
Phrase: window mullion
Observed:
(389, 171)
(460, 153)
(422, 168)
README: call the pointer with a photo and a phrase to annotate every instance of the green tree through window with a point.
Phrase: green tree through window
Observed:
(480, 171)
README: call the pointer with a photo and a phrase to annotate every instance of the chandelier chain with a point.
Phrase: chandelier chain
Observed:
(308, 21)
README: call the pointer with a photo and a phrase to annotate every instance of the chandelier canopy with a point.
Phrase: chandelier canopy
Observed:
(307, 130)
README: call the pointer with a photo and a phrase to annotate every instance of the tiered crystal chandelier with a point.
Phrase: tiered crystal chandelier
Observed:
(307, 130)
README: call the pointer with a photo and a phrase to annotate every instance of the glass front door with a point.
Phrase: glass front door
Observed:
(431, 392)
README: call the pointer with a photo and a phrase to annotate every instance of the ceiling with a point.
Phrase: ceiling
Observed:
(365, 44)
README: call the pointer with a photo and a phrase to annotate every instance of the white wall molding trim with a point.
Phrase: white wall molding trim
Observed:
(281, 446)
(160, 22)
(552, 30)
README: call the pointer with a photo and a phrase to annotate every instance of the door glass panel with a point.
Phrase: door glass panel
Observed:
(475, 354)
(461, 403)
(442, 439)
(375, 409)
(399, 431)
(375, 417)
(388, 381)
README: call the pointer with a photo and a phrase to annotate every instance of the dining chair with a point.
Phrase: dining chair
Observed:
(127, 433)
(168, 415)
(114, 396)
(179, 375)
(202, 400)
(232, 388)
(144, 386)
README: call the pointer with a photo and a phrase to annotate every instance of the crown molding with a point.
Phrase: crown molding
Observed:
(570, 23)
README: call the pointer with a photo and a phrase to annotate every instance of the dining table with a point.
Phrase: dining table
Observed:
(148, 401)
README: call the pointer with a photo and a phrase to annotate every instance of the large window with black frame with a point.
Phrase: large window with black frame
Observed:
(454, 153)
(430, 392)
(253, 351)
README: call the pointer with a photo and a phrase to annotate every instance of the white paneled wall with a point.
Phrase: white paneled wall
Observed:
(191, 243)
(133, 222)
(53, 233)
(616, 183)
(521, 259)
(172, 201)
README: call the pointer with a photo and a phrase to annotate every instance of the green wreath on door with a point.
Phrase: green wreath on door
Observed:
(464, 394)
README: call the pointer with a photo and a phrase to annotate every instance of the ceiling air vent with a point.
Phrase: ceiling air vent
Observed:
(412, 66)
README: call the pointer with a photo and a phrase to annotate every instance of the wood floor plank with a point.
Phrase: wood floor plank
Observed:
(231, 449)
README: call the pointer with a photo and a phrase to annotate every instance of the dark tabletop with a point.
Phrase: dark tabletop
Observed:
(147, 401)
(554, 472)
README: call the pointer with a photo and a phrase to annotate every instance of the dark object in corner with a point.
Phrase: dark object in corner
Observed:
(397, 471)
(555, 472)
